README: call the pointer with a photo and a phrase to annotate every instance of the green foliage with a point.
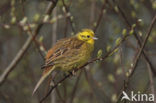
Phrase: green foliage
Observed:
(111, 78)
(154, 4)
(118, 40)
(124, 32)
(131, 32)
(108, 48)
(99, 54)
(36, 17)
(104, 80)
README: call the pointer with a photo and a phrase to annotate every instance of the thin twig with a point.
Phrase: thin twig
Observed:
(151, 81)
(143, 45)
(29, 31)
(121, 12)
(75, 88)
(100, 16)
(139, 54)
(95, 88)
(59, 95)
(26, 45)
(69, 17)
(53, 88)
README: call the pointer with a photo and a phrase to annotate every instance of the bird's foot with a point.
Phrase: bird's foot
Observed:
(73, 73)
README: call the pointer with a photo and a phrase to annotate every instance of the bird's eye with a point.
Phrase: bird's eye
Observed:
(88, 36)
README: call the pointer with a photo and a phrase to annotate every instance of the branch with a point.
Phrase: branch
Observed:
(77, 69)
(135, 35)
(69, 17)
(151, 80)
(139, 53)
(75, 88)
(100, 17)
(26, 45)
(143, 45)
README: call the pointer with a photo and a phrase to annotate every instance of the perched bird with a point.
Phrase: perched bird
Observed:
(68, 53)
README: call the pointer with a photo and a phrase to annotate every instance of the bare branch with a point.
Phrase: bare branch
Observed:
(143, 45)
(139, 54)
(69, 17)
(100, 17)
(121, 12)
(75, 88)
(151, 81)
(26, 45)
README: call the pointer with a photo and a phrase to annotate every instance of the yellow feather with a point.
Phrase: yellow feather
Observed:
(69, 53)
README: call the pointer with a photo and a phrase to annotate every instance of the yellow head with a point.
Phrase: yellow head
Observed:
(86, 35)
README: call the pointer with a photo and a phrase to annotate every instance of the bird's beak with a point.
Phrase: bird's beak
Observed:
(95, 38)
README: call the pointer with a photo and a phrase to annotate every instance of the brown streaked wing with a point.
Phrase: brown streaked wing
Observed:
(60, 48)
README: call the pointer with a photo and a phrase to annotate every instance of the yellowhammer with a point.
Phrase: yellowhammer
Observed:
(68, 53)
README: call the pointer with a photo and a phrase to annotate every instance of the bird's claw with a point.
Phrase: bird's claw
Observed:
(73, 73)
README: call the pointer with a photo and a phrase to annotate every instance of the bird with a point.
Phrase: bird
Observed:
(68, 53)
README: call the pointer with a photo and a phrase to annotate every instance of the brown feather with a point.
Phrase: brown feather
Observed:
(65, 54)
(60, 48)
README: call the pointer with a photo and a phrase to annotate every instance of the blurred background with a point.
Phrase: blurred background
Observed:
(101, 81)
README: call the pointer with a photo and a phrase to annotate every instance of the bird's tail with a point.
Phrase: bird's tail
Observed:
(44, 76)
